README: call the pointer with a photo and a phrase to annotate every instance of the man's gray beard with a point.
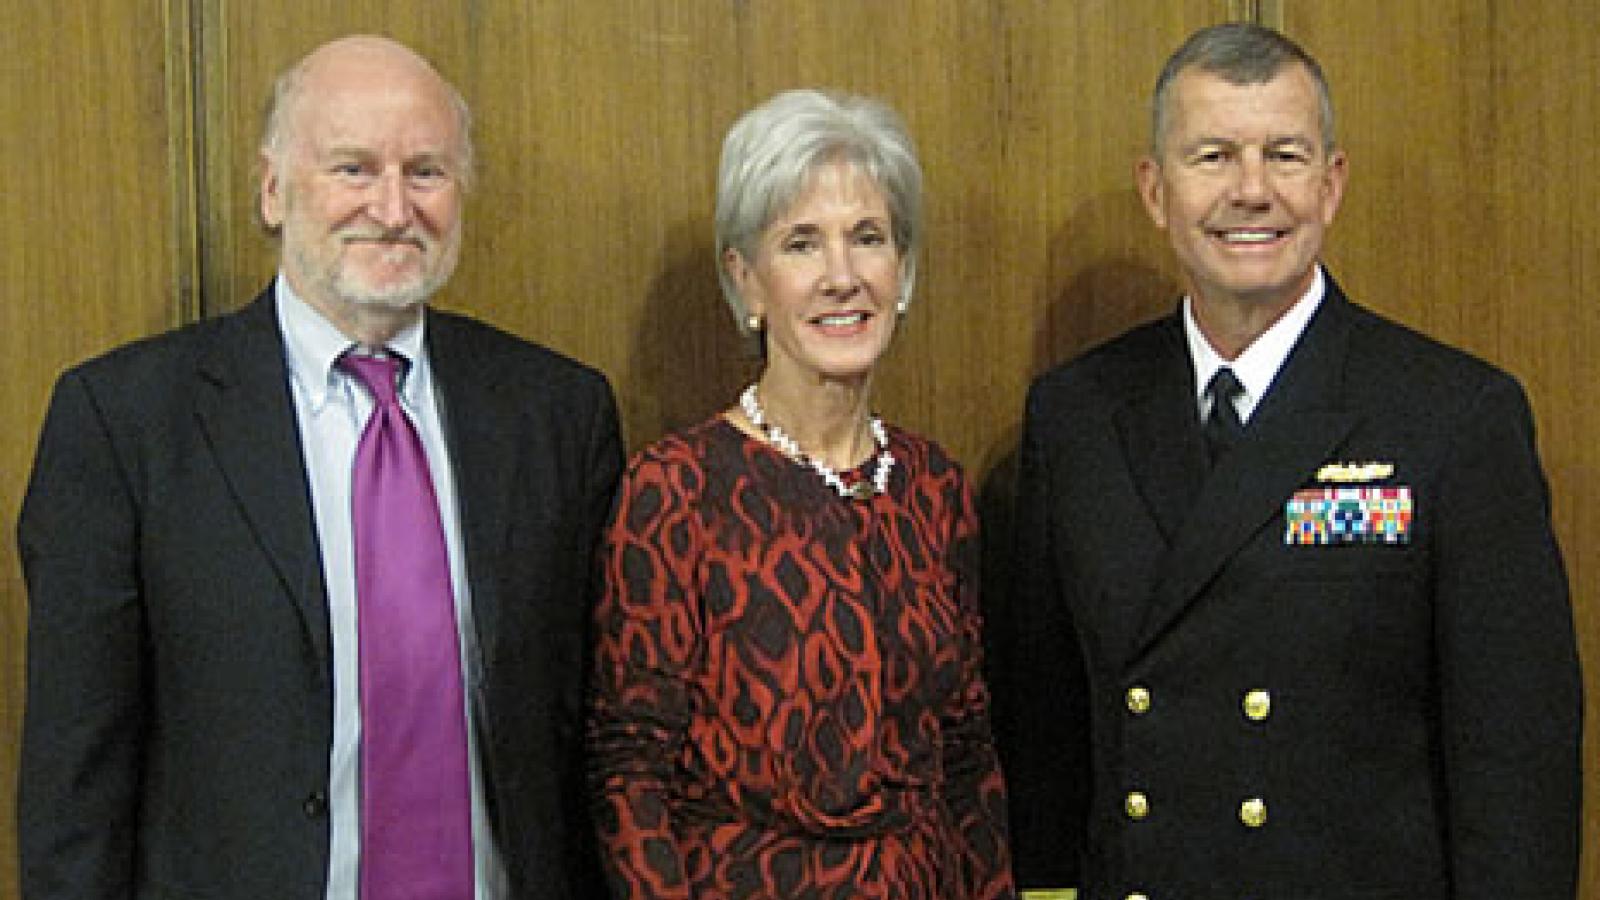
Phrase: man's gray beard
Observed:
(397, 296)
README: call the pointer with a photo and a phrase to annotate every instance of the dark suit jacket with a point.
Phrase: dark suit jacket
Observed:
(179, 704)
(1423, 734)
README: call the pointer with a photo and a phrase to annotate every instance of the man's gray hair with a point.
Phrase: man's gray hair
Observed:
(1240, 53)
(289, 87)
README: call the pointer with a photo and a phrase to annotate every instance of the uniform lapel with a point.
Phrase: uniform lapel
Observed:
(1295, 428)
(479, 429)
(247, 415)
(1160, 430)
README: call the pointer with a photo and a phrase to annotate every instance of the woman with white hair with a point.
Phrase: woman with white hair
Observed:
(787, 699)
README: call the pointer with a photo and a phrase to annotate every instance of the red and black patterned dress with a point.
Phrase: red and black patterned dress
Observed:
(788, 702)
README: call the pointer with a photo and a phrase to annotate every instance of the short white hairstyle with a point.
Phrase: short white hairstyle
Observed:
(773, 151)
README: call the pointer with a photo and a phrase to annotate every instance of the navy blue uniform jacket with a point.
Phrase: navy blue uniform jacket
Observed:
(1191, 706)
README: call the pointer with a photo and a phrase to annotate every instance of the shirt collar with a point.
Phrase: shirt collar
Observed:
(1260, 362)
(314, 344)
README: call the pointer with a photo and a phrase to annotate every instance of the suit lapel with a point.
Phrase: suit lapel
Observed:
(1294, 429)
(247, 415)
(479, 428)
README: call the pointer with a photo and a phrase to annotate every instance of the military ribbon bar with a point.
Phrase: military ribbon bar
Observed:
(1349, 515)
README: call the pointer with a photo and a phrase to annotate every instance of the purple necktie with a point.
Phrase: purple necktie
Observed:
(416, 807)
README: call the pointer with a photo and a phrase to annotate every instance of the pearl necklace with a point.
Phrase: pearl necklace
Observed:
(777, 437)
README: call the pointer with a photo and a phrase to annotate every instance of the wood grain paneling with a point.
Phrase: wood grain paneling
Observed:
(89, 253)
(1472, 128)
(599, 126)
(1474, 137)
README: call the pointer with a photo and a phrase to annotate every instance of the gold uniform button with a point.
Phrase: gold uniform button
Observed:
(1138, 700)
(1257, 705)
(1137, 805)
(1253, 812)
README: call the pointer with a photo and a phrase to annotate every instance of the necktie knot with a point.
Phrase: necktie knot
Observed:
(381, 374)
(1223, 389)
(1222, 426)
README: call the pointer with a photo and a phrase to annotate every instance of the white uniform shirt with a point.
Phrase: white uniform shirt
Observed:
(1257, 367)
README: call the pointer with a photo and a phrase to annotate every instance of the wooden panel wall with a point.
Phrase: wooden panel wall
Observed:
(90, 246)
(599, 127)
(1474, 201)
(1473, 195)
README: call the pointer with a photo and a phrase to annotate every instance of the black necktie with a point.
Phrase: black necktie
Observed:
(1222, 428)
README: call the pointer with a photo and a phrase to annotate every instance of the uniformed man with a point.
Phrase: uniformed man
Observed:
(1294, 623)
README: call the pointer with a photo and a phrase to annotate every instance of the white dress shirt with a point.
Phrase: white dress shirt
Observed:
(1257, 367)
(332, 410)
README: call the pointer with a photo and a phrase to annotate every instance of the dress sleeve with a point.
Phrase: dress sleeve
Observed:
(975, 791)
(646, 636)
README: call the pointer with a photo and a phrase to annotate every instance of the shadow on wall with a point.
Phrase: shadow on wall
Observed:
(1109, 271)
(688, 360)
